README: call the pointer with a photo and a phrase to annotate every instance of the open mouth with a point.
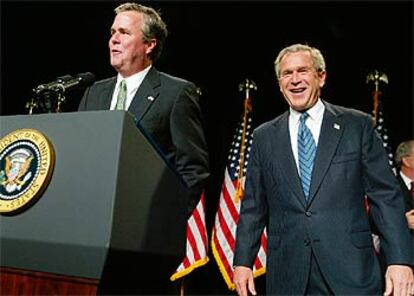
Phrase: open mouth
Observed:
(298, 90)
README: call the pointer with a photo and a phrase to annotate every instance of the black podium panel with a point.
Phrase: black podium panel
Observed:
(110, 191)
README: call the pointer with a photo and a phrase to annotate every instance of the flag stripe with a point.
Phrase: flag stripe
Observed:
(224, 243)
(198, 229)
(221, 259)
(201, 225)
(192, 241)
(229, 237)
(197, 243)
(227, 216)
(231, 210)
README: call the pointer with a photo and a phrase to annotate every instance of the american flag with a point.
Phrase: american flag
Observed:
(227, 216)
(381, 128)
(197, 242)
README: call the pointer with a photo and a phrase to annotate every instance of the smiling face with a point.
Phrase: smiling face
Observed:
(299, 81)
(128, 50)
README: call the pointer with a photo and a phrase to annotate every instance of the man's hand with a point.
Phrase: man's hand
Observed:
(242, 279)
(410, 219)
(399, 280)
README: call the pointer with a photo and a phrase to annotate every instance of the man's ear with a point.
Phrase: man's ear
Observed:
(322, 78)
(405, 162)
(150, 46)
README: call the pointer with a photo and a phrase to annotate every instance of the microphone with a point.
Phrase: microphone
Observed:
(66, 82)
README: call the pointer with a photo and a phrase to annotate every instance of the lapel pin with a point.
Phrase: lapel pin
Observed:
(337, 126)
(150, 98)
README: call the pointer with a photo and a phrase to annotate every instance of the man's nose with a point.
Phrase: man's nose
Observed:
(295, 77)
(114, 38)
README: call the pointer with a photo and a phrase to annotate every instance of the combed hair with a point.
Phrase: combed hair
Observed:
(317, 57)
(404, 149)
(153, 27)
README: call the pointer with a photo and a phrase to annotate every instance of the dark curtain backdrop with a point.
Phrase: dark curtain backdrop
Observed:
(217, 45)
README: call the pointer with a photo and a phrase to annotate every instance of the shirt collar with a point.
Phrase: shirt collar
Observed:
(406, 180)
(134, 80)
(315, 112)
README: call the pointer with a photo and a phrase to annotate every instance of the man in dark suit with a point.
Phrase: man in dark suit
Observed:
(167, 109)
(308, 174)
(404, 160)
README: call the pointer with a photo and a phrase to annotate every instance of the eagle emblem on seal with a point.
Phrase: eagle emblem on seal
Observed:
(16, 171)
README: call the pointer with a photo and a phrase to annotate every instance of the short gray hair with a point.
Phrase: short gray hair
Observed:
(153, 27)
(317, 57)
(404, 149)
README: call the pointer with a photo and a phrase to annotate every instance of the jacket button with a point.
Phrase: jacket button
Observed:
(308, 213)
(306, 242)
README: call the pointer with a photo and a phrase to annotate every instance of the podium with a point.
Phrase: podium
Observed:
(111, 195)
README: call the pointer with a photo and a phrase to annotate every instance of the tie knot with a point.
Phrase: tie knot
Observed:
(122, 85)
(304, 116)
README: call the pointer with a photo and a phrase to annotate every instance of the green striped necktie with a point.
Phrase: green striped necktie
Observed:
(122, 94)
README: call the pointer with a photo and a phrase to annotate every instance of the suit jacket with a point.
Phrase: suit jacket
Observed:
(168, 110)
(408, 200)
(350, 162)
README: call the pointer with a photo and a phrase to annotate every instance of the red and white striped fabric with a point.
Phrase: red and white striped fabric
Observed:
(227, 217)
(197, 242)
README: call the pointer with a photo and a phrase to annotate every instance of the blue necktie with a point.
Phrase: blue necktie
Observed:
(306, 154)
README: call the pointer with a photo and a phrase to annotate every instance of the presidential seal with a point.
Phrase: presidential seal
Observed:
(26, 164)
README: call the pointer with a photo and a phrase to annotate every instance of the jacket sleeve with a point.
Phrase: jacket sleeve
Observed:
(253, 212)
(385, 198)
(187, 133)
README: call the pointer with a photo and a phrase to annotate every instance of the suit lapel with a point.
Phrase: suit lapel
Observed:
(287, 163)
(106, 94)
(146, 94)
(331, 132)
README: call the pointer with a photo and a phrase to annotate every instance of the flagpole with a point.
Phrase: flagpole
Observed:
(376, 77)
(245, 86)
(227, 216)
(182, 287)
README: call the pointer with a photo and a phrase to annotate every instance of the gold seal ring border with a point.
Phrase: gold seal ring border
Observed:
(46, 161)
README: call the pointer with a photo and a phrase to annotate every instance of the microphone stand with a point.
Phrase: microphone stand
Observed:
(46, 101)
(31, 105)
(60, 99)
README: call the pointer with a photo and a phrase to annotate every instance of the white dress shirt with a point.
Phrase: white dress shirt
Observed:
(407, 181)
(133, 83)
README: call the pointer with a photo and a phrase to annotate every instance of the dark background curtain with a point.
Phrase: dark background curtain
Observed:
(217, 45)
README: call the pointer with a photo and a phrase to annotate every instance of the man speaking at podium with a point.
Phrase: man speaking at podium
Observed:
(166, 107)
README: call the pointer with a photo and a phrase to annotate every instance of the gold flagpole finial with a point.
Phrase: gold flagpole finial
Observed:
(246, 86)
(376, 77)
